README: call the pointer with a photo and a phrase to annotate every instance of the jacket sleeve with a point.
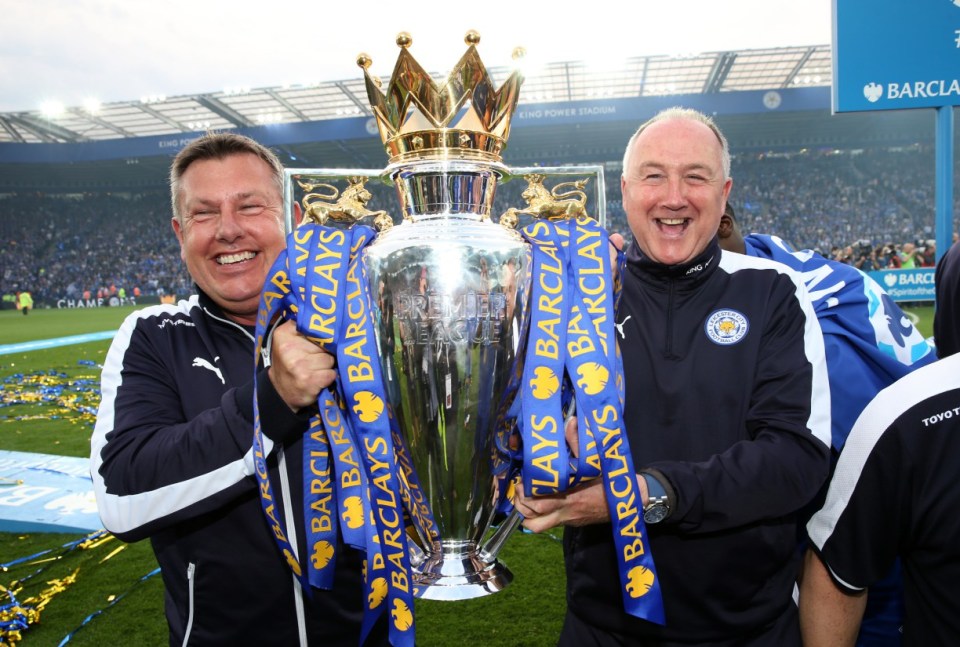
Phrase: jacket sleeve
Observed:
(784, 460)
(151, 466)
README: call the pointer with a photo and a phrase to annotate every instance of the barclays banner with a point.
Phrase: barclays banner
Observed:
(907, 285)
(895, 54)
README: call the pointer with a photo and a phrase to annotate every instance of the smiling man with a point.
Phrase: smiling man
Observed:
(171, 451)
(228, 217)
(675, 187)
(727, 412)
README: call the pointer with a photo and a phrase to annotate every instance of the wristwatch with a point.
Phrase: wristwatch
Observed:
(657, 507)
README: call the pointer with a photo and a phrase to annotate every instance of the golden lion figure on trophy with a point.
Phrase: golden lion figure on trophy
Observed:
(552, 204)
(350, 206)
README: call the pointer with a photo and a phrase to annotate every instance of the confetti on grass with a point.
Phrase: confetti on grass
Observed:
(51, 395)
(19, 611)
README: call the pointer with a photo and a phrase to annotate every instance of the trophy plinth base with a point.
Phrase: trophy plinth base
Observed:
(460, 575)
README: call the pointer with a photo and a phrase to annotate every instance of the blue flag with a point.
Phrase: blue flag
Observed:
(870, 342)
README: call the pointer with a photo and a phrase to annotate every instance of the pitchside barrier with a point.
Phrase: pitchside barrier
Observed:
(907, 285)
(43, 493)
(96, 302)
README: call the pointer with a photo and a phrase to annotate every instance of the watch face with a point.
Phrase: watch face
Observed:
(656, 513)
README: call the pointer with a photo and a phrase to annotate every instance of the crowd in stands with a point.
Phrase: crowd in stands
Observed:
(89, 246)
(874, 209)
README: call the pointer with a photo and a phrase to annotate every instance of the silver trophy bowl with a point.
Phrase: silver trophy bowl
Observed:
(450, 286)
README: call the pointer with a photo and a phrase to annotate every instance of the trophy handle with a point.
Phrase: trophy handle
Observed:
(492, 546)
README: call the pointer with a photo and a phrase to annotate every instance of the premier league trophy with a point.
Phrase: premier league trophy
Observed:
(449, 287)
(462, 345)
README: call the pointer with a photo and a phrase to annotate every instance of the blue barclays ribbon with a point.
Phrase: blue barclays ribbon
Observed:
(320, 280)
(298, 249)
(351, 483)
(279, 297)
(594, 364)
(591, 362)
(375, 576)
(318, 265)
(276, 298)
(319, 506)
(365, 397)
(540, 416)
(591, 283)
(357, 531)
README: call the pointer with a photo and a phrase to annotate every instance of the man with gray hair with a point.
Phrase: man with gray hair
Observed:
(171, 451)
(726, 410)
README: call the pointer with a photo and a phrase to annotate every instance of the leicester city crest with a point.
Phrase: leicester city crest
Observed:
(726, 327)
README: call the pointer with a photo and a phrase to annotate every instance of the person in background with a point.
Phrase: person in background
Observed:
(866, 257)
(928, 254)
(894, 495)
(947, 281)
(908, 256)
(726, 410)
(847, 256)
(870, 344)
(171, 454)
(892, 255)
(25, 302)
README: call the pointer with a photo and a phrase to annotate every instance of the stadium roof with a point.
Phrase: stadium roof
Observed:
(764, 100)
(647, 76)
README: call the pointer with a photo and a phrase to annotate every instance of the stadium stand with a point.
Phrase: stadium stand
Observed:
(75, 246)
(61, 246)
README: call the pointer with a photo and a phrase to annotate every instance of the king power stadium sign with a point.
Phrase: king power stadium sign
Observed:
(895, 54)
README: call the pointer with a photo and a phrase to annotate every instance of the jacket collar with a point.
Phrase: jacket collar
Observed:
(690, 273)
(210, 307)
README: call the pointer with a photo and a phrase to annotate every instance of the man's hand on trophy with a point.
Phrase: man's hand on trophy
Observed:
(580, 506)
(299, 369)
(574, 507)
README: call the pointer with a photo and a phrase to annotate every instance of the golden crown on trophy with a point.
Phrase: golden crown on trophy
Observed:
(465, 118)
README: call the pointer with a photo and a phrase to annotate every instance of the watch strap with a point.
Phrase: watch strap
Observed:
(655, 489)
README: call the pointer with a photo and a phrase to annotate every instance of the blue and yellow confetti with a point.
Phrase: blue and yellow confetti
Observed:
(51, 395)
